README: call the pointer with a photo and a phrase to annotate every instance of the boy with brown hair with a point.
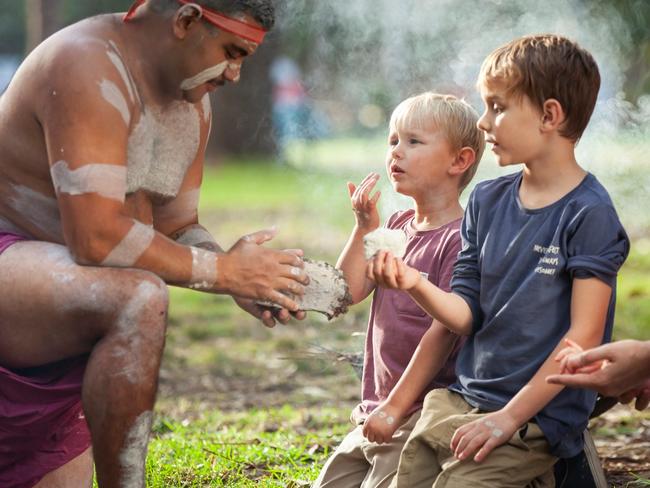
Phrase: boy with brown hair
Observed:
(433, 151)
(541, 251)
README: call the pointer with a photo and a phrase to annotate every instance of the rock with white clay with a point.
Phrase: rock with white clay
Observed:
(382, 239)
(327, 291)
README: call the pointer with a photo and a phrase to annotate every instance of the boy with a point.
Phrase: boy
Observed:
(434, 148)
(541, 250)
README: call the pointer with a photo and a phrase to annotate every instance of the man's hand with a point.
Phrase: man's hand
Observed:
(249, 270)
(268, 316)
(391, 272)
(382, 423)
(364, 206)
(619, 369)
(483, 435)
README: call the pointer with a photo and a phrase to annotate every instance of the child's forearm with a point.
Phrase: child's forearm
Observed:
(589, 304)
(448, 308)
(352, 262)
(427, 361)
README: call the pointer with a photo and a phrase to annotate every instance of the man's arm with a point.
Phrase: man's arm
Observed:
(589, 304)
(352, 260)
(84, 127)
(427, 361)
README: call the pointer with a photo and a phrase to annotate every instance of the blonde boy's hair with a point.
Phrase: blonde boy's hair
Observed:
(455, 118)
(543, 67)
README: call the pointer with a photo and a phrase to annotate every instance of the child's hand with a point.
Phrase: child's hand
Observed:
(381, 424)
(390, 272)
(363, 206)
(570, 359)
(483, 435)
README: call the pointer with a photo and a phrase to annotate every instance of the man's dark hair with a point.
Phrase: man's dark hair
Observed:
(262, 11)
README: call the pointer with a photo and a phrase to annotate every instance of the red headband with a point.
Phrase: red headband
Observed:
(228, 24)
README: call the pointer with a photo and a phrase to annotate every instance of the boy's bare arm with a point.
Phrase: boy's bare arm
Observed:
(448, 308)
(352, 260)
(589, 305)
(427, 361)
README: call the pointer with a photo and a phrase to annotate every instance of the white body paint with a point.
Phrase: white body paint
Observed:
(204, 269)
(132, 246)
(207, 108)
(106, 180)
(195, 236)
(112, 94)
(39, 210)
(183, 206)
(161, 148)
(116, 58)
(204, 76)
(134, 452)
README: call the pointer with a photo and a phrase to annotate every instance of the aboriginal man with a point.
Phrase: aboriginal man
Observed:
(102, 139)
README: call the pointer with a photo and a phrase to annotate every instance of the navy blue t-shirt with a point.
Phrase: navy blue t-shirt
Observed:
(515, 270)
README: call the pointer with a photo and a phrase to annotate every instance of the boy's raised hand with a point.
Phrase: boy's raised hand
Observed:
(390, 272)
(363, 205)
(381, 424)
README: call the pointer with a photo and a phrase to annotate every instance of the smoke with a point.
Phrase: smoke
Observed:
(360, 52)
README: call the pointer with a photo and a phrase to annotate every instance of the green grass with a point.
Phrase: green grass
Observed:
(243, 405)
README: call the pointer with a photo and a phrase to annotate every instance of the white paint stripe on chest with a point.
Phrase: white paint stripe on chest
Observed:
(207, 108)
(131, 247)
(106, 180)
(204, 269)
(112, 94)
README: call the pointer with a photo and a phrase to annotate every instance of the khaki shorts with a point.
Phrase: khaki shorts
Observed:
(358, 462)
(427, 461)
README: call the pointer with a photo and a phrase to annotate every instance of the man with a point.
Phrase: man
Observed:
(102, 135)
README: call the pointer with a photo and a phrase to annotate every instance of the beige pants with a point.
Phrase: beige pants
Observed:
(359, 463)
(427, 461)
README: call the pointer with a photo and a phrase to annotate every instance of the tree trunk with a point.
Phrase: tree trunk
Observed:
(43, 18)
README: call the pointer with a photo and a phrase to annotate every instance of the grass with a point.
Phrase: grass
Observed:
(243, 405)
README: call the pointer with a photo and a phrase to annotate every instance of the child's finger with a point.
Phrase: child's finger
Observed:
(375, 197)
(351, 188)
(573, 343)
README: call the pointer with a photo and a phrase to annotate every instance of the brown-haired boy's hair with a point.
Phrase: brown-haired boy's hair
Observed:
(547, 66)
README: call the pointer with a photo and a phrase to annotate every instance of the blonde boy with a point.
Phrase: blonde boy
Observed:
(541, 250)
(434, 147)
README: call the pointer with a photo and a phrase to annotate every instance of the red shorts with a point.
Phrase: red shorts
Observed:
(42, 425)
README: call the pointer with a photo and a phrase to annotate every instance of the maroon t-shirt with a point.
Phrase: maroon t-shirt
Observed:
(397, 323)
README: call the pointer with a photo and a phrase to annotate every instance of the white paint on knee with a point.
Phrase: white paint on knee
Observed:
(204, 76)
(39, 210)
(206, 107)
(194, 236)
(107, 180)
(131, 247)
(183, 206)
(115, 97)
(161, 148)
(204, 269)
(134, 452)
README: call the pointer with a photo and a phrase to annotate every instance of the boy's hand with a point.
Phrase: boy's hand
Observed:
(381, 424)
(483, 435)
(364, 206)
(391, 272)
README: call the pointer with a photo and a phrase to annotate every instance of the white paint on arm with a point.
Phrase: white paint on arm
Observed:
(204, 269)
(106, 180)
(131, 247)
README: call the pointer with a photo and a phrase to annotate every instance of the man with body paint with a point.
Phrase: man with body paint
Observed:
(102, 138)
